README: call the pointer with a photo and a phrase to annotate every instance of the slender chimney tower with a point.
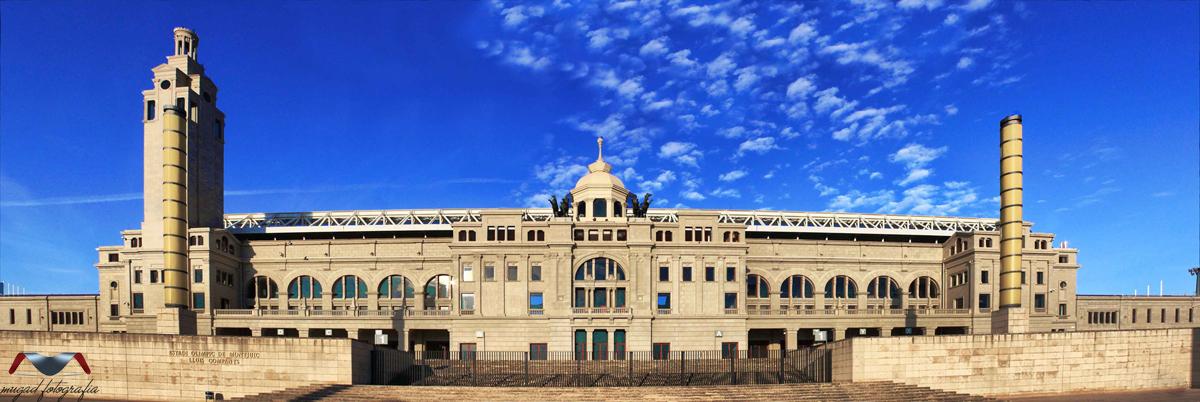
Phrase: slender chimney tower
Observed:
(1011, 317)
(174, 208)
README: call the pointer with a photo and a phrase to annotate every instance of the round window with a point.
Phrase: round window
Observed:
(1062, 285)
(165, 84)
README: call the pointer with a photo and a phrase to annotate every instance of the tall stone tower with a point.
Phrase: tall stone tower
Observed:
(181, 82)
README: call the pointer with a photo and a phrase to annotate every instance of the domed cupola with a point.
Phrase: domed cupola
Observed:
(599, 195)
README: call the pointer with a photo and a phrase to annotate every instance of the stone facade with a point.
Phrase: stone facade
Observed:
(1014, 364)
(173, 367)
(598, 271)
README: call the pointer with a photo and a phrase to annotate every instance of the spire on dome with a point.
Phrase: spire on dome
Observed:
(599, 165)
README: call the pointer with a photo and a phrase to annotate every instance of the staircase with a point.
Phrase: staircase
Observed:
(883, 391)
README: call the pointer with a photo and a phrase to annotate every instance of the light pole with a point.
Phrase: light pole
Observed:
(1195, 271)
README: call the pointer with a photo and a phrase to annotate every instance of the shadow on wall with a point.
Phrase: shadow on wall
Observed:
(1196, 358)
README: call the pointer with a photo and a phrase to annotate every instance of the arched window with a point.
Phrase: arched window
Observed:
(725, 237)
(883, 287)
(923, 288)
(841, 287)
(304, 287)
(737, 237)
(530, 235)
(582, 209)
(541, 235)
(395, 287)
(470, 235)
(261, 287)
(600, 208)
(981, 242)
(617, 209)
(199, 240)
(349, 287)
(437, 288)
(756, 287)
(796, 287)
(191, 240)
(599, 269)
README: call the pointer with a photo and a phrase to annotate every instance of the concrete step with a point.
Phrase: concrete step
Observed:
(850, 392)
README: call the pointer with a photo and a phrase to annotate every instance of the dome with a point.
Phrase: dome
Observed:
(599, 173)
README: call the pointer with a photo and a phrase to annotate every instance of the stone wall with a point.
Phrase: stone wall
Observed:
(173, 367)
(1040, 363)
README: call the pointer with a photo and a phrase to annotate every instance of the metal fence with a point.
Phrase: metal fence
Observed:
(628, 369)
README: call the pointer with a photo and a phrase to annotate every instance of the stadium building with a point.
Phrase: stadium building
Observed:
(601, 271)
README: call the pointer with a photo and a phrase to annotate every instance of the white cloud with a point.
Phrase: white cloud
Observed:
(523, 56)
(829, 102)
(951, 110)
(681, 59)
(599, 38)
(560, 174)
(862, 52)
(726, 193)
(746, 78)
(733, 175)
(876, 175)
(732, 132)
(915, 175)
(654, 48)
(515, 16)
(950, 19)
(927, 4)
(630, 88)
(683, 153)
(692, 195)
(759, 145)
(663, 178)
(802, 33)
(976, 5)
(965, 62)
(801, 87)
(917, 155)
(721, 66)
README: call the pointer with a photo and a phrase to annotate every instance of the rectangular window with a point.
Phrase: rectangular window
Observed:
(12, 316)
(600, 297)
(1023, 278)
(621, 235)
(538, 351)
(535, 301)
(731, 300)
(983, 276)
(468, 274)
(580, 297)
(511, 275)
(661, 351)
(489, 273)
(114, 257)
(619, 344)
(578, 235)
(664, 301)
(729, 350)
(1133, 319)
(607, 234)
(468, 302)
(198, 301)
(153, 276)
(28, 316)
(710, 274)
(137, 301)
(198, 275)
(600, 344)
(491, 233)
(730, 274)
(535, 273)
(150, 110)
(593, 235)
(985, 301)
(687, 234)
(466, 351)
(1062, 310)
(1039, 300)
(137, 276)
(687, 274)
(114, 310)
(619, 297)
(664, 274)
(580, 344)
(1041, 278)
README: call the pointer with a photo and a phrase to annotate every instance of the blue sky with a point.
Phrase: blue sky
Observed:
(868, 106)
